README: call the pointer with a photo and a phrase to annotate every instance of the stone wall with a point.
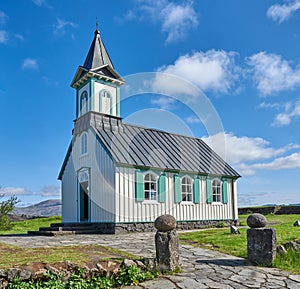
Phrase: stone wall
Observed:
(149, 227)
(106, 228)
(277, 210)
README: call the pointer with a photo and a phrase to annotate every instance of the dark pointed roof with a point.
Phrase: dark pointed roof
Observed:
(97, 55)
(97, 64)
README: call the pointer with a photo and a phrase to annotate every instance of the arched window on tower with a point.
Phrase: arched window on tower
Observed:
(105, 102)
(84, 103)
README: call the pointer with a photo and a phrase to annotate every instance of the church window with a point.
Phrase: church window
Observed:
(150, 187)
(216, 191)
(84, 144)
(186, 189)
(84, 103)
(105, 101)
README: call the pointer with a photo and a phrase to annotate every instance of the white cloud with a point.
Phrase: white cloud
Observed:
(10, 191)
(163, 102)
(175, 19)
(246, 154)
(212, 70)
(47, 191)
(61, 25)
(291, 111)
(272, 74)
(30, 63)
(264, 104)
(50, 191)
(3, 18)
(39, 2)
(193, 119)
(282, 12)
(3, 36)
(291, 161)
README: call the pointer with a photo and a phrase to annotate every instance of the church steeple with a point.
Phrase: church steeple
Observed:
(97, 82)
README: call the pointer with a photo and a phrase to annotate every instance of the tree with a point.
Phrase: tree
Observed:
(6, 207)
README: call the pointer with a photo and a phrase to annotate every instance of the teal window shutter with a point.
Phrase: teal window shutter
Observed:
(197, 191)
(224, 191)
(139, 186)
(162, 188)
(177, 189)
(209, 197)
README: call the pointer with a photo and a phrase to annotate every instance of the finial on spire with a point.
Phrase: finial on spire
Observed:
(97, 23)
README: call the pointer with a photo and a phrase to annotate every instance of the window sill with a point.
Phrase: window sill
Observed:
(83, 155)
(186, 203)
(217, 203)
(150, 202)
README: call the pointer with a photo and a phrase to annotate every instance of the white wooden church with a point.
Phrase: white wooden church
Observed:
(125, 176)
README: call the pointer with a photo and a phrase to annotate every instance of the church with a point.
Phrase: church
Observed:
(123, 176)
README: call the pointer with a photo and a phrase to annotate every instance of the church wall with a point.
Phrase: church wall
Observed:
(101, 181)
(129, 210)
(69, 193)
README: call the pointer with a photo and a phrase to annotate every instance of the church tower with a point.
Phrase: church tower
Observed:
(97, 83)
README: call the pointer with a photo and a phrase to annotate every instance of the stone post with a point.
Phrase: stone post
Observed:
(261, 241)
(166, 243)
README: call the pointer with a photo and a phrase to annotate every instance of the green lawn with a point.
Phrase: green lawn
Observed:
(31, 225)
(222, 240)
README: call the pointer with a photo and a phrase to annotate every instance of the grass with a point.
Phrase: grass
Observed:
(222, 240)
(13, 256)
(23, 227)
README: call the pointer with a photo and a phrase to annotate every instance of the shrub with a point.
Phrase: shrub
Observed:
(7, 207)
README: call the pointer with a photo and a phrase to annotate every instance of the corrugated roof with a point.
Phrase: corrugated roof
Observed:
(146, 147)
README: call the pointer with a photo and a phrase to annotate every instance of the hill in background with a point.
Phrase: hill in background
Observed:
(45, 209)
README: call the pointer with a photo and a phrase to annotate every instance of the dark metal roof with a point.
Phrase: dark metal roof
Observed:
(97, 55)
(151, 148)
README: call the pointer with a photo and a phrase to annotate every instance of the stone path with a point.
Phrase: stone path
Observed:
(201, 268)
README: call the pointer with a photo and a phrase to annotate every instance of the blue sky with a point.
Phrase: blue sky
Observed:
(243, 55)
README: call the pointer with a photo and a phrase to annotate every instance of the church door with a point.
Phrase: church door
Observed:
(83, 196)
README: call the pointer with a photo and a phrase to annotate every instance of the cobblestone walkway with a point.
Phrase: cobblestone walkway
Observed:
(201, 268)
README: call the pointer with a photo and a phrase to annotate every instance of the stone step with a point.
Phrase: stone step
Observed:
(54, 225)
(77, 228)
(49, 233)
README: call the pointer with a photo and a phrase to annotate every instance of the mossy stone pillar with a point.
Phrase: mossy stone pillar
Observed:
(166, 243)
(261, 241)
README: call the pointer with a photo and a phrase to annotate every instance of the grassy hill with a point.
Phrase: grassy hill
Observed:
(44, 209)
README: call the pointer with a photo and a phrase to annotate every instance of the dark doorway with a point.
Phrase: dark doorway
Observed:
(84, 201)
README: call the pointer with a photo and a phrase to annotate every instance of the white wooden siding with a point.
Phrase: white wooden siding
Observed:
(101, 183)
(128, 210)
(69, 193)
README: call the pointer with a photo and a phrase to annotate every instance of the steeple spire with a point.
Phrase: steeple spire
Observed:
(97, 55)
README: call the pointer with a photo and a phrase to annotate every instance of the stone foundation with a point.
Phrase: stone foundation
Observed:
(149, 226)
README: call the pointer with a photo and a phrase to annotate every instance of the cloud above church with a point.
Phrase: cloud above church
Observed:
(213, 70)
(249, 154)
(3, 36)
(175, 19)
(272, 74)
(282, 12)
(61, 25)
(30, 63)
(46, 191)
(3, 18)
